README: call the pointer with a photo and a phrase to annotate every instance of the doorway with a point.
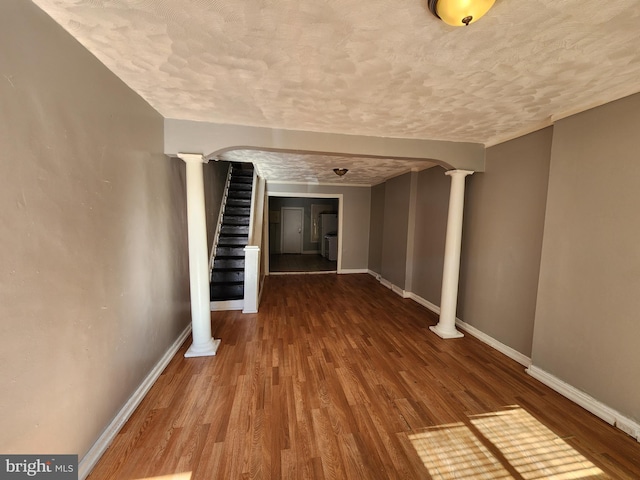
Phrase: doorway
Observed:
(297, 237)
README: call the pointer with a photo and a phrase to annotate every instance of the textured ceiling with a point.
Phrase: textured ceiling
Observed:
(318, 169)
(378, 68)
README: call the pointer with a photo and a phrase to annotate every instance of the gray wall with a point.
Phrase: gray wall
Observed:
(94, 283)
(502, 240)
(376, 228)
(355, 224)
(586, 325)
(431, 226)
(396, 223)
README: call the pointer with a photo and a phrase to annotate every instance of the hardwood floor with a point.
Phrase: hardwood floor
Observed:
(300, 263)
(339, 378)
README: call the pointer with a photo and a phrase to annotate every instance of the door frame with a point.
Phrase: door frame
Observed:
(265, 235)
(301, 211)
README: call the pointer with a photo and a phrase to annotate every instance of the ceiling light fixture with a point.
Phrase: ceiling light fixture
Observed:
(460, 12)
(340, 171)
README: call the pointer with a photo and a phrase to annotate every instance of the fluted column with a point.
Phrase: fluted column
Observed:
(203, 343)
(446, 327)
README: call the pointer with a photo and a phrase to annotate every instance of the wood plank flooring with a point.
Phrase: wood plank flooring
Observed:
(339, 378)
(291, 262)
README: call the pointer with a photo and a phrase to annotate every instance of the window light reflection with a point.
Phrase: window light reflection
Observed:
(496, 446)
(171, 476)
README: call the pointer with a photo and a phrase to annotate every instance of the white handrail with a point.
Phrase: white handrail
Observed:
(216, 236)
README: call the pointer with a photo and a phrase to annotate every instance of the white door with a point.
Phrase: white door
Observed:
(291, 221)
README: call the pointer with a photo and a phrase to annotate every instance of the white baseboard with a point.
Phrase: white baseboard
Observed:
(425, 303)
(599, 409)
(492, 342)
(353, 270)
(104, 440)
(394, 288)
(483, 337)
(375, 275)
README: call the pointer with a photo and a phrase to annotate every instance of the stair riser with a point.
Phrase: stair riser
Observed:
(234, 230)
(233, 210)
(243, 183)
(239, 194)
(225, 276)
(239, 202)
(234, 220)
(225, 241)
(229, 252)
(228, 263)
(227, 292)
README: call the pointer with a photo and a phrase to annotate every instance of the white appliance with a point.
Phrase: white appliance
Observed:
(328, 224)
(331, 247)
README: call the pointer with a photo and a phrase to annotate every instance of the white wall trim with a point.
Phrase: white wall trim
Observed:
(386, 283)
(492, 342)
(353, 270)
(108, 435)
(224, 305)
(599, 409)
(375, 275)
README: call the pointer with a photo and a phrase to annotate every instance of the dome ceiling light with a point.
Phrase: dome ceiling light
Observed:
(340, 171)
(460, 12)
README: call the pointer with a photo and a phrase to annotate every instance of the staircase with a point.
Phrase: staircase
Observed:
(227, 279)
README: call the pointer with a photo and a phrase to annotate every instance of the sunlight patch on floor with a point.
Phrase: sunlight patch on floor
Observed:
(171, 476)
(453, 451)
(519, 442)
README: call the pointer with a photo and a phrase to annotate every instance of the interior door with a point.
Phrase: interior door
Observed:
(291, 221)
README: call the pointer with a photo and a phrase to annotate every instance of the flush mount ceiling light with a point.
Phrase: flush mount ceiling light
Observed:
(460, 12)
(340, 171)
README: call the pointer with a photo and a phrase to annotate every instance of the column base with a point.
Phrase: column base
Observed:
(442, 334)
(206, 350)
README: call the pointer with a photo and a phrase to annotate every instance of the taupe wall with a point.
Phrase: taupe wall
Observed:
(394, 236)
(355, 224)
(215, 179)
(376, 228)
(586, 325)
(431, 227)
(94, 281)
(502, 240)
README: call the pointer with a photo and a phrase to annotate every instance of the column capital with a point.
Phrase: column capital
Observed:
(193, 158)
(458, 173)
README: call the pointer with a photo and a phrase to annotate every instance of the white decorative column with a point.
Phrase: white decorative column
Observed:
(446, 327)
(203, 343)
